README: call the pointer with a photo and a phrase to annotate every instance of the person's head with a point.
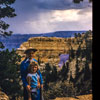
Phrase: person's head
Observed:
(33, 67)
(30, 53)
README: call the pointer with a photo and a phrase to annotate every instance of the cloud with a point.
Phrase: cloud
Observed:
(59, 20)
(41, 16)
(65, 15)
(62, 4)
(33, 8)
(33, 5)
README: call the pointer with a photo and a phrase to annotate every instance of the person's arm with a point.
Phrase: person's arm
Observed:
(29, 91)
(23, 74)
(38, 86)
(41, 79)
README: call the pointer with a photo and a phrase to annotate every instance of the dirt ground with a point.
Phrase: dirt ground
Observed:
(82, 97)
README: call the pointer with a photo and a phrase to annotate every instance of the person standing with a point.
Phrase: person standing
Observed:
(33, 80)
(24, 71)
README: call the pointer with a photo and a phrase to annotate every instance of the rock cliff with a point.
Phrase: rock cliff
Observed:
(49, 48)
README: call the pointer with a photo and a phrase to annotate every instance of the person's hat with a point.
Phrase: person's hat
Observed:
(29, 50)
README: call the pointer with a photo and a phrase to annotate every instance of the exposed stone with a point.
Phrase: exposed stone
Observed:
(81, 97)
(3, 96)
(48, 48)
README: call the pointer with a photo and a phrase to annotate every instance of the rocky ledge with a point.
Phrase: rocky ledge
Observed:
(3, 96)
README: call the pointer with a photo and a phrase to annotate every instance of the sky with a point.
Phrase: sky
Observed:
(43, 16)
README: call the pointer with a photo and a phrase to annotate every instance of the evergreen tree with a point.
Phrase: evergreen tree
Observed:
(78, 52)
(71, 78)
(87, 72)
(63, 74)
(1, 45)
(72, 53)
(39, 61)
(78, 1)
(5, 11)
(47, 76)
(54, 74)
(83, 78)
(9, 72)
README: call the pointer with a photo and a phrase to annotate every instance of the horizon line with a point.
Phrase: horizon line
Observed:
(49, 32)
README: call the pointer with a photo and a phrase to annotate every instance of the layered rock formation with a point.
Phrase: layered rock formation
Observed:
(48, 47)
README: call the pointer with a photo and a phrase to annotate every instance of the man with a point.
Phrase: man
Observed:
(24, 65)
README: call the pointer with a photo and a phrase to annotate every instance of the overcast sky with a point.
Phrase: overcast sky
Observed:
(41, 16)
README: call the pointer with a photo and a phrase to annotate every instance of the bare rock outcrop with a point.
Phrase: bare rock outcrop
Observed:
(3, 96)
(48, 47)
(82, 97)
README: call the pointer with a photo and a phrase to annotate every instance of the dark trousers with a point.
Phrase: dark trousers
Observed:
(25, 94)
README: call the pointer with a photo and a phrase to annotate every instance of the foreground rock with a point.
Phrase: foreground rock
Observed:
(3, 96)
(82, 97)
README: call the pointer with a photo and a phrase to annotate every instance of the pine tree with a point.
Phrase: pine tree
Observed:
(54, 74)
(9, 72)
(5, 11)
(78, 1)
(47, 76)
(83, 79)
(72, 53)
(63, 74)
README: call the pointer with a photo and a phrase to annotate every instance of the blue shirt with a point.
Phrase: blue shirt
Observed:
(34, 79)
(24, 71)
